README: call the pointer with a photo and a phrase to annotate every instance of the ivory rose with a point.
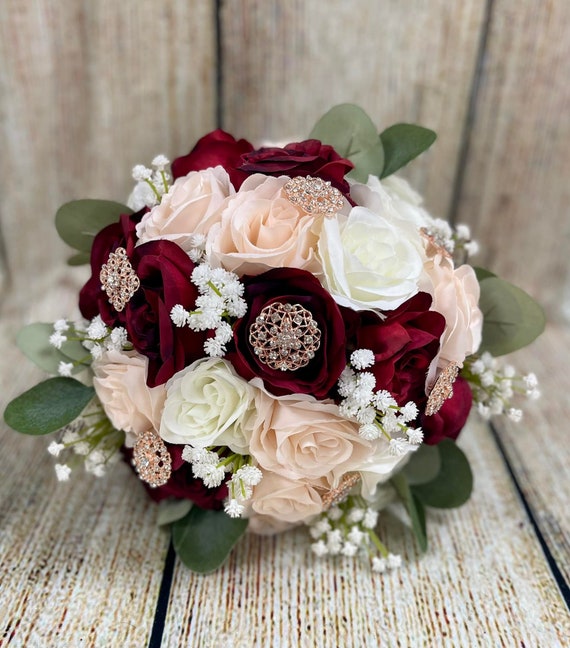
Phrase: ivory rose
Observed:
(261, 229)
(370, 261)
(297, 436)
(120, 384)
(208, 404)
(456, 296)
(191, 206)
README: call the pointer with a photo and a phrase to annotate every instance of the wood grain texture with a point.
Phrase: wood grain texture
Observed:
(516, 194)
(285, 63)
(89, 89)
(537, 447)
(483, 582)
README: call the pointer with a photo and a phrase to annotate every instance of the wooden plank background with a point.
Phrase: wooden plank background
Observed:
(88, 88)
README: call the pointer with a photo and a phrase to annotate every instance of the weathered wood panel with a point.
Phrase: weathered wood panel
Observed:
(516, 193)
(483, 582)
(88, 90)
(287, 62)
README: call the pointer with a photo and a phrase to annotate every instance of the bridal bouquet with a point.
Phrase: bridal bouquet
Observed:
(277, 336)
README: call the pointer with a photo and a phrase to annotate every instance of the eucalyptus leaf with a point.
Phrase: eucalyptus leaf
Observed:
(170, 510)
(203, 539)
(77, 222)
(424, 465)
(81, 258)
(414, 508)
(453, 485)
(511, 318)
(402, 143)
(33, 340)
(367, 162)
(482, 273)
(49, 406)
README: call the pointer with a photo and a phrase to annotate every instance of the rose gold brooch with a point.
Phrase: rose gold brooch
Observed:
(118, 279)
(443, 389)
(314, 195)
(285, 336)
(338, 494)
(151, 459)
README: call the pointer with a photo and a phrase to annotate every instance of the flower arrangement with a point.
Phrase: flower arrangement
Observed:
(278, 336)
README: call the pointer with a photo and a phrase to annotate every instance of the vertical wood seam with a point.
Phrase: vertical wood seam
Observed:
(163, 599)
(465, 147)
(218, 6)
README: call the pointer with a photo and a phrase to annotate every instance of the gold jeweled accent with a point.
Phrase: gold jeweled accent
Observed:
(314, 195)
(338, 494)
(118, 279)
(151, 459)
(285, 336)
(443, 389)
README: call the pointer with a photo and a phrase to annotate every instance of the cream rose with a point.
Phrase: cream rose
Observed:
(380, 466)
(370, 261)
(299, 437)
(208, 404)
(120, 384)
(284, 500)
(456, 296)
(261, 229)
(192, 205)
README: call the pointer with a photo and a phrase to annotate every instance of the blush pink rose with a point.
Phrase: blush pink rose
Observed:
(299, 437)
(192, 205)
(120, 384)
(456, 296)
(261, 229)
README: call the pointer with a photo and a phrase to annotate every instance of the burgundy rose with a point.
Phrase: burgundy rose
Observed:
(215, 148)
(164, 270)
(308, 158)
(291, 286)
(92, 300)
(183, 485)
(404, 344)
(449, 421)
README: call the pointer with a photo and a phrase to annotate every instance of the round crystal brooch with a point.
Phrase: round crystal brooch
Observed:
(314, 195)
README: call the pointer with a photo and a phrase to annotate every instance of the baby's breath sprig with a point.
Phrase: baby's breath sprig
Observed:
(211, 465)
(151, 185)
(348, 529)
(495, 385)
(219, 304)
(90, 440)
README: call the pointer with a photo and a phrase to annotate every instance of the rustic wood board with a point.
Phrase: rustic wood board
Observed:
(515, 193)
(483, 582)
(286, 63)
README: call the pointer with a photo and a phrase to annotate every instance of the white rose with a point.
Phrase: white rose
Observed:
(370, 260)
(192, 205)
(380, 466)
(208, 404)
(120, 384)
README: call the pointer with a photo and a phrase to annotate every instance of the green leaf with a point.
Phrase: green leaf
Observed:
(49, 406)
(353, 135)
(511, 318)
(423, 466)
(482, 273)
(453, 485)
(414, 508)
(170, 510)
(33, 340)
(81, 258)
(402, 143)
(77, 222)
(203, 539)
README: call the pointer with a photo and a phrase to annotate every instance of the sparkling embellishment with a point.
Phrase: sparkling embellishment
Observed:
(443, 389)
(285, 336)
(151, 459)
(118, 279)
(314, 195)
(338, 494)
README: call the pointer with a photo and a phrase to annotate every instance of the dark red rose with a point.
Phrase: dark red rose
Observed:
(449, 421)
(308, 158)
(404, 344)
(291, 286)
(164, 271)
(92, 300)
(182, 484)
(217, 147)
